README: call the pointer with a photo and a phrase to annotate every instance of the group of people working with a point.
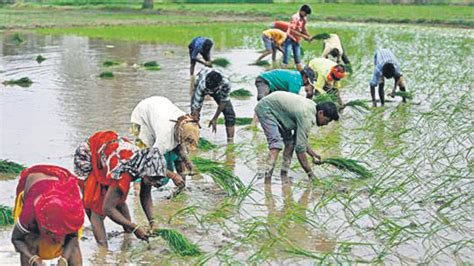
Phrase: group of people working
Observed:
(106, 164)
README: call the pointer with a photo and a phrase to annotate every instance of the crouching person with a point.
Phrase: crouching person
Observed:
(106, 164)
(286, 120)
(48, 216)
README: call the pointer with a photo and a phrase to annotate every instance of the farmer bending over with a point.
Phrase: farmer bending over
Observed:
(285, 80)
(106, 164)
(296, 31)
(272, 40)
(157, 122)
(200, 45)
(332, 46)
(48, 216)
(329, 74)
(386, 66)
(286, 120)
(212, 82)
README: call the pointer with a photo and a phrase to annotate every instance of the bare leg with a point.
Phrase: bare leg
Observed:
(382, 93)
(287, 155)
(98, 228)
(75, 257)
(230, 134)
(372, 94)
(266, 53)
(272, 156)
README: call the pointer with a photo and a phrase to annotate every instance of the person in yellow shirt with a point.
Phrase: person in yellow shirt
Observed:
(272, 40)
(329, 74)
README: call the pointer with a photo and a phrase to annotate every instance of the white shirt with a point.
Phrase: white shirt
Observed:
(154, 115)
(331, 43)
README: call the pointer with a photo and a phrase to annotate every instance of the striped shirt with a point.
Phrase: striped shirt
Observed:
(221, 93)
(383, 56)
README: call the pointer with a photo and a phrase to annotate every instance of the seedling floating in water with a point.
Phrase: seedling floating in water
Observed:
(178, 242)
(9, 167)
(151, 65)
(106, 74)
(349, 165)
(239, 121)
(40, 59)
(110, 63)
(6, 215)
(206, 145)
(222, 62)
(241, 93)
(22, 82)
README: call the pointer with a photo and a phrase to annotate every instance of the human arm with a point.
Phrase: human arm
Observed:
(183, 154)
(213, 121)
(304, 163)
(197, 99)
(19, 242)
(301, 147)
(313, 154)
(71, 251)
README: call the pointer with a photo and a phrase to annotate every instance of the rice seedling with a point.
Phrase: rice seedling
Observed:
(40, 59)
(9, 167)
(222, 62)
(111, 63)
(17, 39)
(326, 97)
(221, 175)
(178, 242)
(359, 105)
(404, 94)
(239, 121)
(260, 63)
(106, 74)
(152, 65)
(241, 93)
(321, 36)
(6, 215)
(349, 165)
(206, 145)
(22, 82)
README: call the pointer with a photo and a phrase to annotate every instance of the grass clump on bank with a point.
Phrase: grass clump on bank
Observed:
(349, 165)
(221, 175)
(22, 82)
(6, 215)
(221, 62)
(178, 242)
(107, 75)
(241, 93)
(239, 121)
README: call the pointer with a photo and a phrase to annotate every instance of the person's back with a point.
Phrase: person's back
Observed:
(284, 80)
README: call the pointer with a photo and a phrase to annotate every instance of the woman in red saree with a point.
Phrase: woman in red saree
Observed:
(106, 164)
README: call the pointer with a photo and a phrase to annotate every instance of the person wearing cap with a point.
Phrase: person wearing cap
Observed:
(386, 67)
(200, 45)
(286, 120)
(214, 83)
(105, 165)
(295, 32)
(285, 80)
(332, 46)
(48, 216)
(272, 40)
(157, 122)
(329, 74)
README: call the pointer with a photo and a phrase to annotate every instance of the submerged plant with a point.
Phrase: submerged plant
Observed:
(9, 167)
(222, 62)
(349, 165)
(241, 93)
(22, 82)
(221, 175)
(239, 121)
(106, 74)
(206, 145)
(6, 215)
(40, 59)
(178, 242)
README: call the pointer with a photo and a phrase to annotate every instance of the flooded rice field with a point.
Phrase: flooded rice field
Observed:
(417, 208)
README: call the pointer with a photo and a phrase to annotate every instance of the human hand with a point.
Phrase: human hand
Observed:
(178, 181)
(189, 165)
(140, 233)
(392, 94)
(213, 123)
(317, 159)
(208, 63)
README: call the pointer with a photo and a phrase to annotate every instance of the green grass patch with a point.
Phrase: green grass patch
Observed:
(241, 93)
(178, 242)
(239, 121)
(22, 82)
(106, 74)
(326, 97)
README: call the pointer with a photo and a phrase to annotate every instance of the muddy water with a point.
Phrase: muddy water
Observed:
(417, 208)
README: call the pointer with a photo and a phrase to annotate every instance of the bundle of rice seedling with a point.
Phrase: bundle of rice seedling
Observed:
(239, 121)
(241, 93)
(40, 59)
(359, 105)
(206, 145)
(178, 242)
(152, 65)
(327, 97)
(22, 82)
(222, 62)
(110, 63)
(405, 94)
(17, 39)
(6, 215)
(260, 63)
(9, 167)
(221, 175)
(321, 36)
(106, 74)
(349, 165)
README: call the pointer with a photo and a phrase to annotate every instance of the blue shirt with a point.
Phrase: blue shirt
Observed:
(196, 45)
(283, 80)
(383, 56)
